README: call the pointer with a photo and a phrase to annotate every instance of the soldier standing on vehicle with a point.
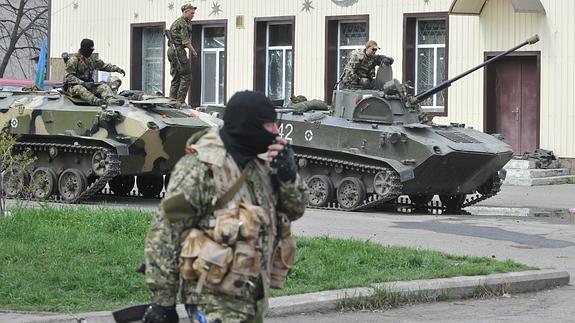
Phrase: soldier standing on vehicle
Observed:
(359, 71)
(222, 233)
(180, 64)
(79, 80)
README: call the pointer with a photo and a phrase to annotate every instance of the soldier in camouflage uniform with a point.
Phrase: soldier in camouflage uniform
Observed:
(79, 82)
(213, 164)
(180, 64)
(359, 71)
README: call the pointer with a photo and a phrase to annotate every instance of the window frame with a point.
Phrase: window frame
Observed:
(352, 47)
(260, 50)
(195, 96)
(136, 57)
(435, 47)
(284, 49)
(332, 49)
(217, 51)
(410, 50)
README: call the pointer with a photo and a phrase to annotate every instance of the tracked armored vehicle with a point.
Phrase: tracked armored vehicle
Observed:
(79, 148)
(372, 148)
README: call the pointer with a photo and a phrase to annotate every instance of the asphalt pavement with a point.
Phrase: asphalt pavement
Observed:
(546, 242)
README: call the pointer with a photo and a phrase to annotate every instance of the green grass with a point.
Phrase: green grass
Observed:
(80, 259)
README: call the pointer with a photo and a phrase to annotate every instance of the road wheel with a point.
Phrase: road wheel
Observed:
(15, 180)
(150, 186)
(44, 183)
(350, 193)
(122, 185)
(71, 184)
(321, 190)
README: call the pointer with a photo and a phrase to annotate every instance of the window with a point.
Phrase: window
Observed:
(351, 36)
(343, 35)
(273, 58)
(153, 60)
(214, 63)
(425, 57)
(430, 61)
(147, 58)
(209, 38)
(279, 61)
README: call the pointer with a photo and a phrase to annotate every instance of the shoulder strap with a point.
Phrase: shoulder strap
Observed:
(224, 199)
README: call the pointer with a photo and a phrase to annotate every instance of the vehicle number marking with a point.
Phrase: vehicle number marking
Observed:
(14, 123)
(286, 131)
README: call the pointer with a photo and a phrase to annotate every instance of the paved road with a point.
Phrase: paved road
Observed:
(539, 242)
(536, 241)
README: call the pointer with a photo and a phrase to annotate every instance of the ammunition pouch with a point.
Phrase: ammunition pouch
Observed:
(226, 256)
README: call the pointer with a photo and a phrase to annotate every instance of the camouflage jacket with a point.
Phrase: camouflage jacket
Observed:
(181, 30)
(197, 179)
(80, 69)
(361, 65)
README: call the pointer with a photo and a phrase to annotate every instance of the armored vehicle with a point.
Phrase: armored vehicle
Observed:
(372, 148)
(79, 148)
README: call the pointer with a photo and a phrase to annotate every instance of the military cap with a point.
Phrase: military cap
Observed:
(188, 5)
(371, 44)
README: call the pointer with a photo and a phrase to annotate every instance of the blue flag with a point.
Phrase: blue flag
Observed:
(41, 69)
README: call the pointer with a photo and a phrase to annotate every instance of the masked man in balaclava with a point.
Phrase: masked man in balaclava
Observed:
(222, 233)
(79, 81)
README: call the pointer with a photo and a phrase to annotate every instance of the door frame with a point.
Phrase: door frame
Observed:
(489, 116)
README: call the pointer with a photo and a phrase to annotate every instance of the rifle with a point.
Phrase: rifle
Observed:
(172, 44)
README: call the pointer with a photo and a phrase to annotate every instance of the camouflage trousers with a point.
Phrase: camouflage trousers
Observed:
(91, 96)
(181, 71)
(222, 308)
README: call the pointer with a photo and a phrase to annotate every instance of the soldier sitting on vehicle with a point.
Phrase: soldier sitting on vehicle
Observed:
(359, 71)
(78, 81)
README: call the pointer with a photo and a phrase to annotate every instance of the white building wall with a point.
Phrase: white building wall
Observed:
(497, 29)
(500, 28)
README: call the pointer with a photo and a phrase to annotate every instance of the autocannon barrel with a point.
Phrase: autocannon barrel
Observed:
(445, 84)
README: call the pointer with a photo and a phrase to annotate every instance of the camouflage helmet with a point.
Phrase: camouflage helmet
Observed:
(371, 44)
(114, 82)
(188, 5)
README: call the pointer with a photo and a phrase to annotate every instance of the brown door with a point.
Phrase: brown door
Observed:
(517, 102)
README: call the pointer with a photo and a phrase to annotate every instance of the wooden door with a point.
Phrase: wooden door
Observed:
(517, 102)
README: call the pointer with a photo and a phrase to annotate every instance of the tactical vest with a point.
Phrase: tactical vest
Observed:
(366, 67)
(224, 253)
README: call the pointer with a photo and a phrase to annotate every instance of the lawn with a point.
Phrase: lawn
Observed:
(85, 259)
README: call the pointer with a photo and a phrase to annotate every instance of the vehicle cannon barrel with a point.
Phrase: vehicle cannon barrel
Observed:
(445, 84)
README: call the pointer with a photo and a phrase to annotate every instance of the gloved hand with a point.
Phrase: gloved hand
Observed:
(387, 60)
(284, 165)
(160, 314)
(352, 77)
(121, 71)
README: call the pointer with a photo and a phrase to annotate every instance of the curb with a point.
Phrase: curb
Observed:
(446, 288)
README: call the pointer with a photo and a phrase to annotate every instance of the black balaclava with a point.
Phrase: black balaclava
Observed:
(86, 47)
(243, 134)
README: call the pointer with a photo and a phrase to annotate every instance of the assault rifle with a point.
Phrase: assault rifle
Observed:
(172, 45)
